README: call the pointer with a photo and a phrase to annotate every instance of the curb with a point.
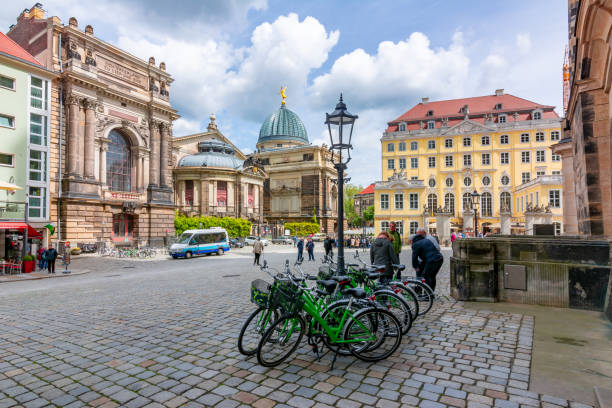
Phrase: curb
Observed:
(60, 275)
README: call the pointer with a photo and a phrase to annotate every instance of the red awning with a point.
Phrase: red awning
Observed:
(32, 233)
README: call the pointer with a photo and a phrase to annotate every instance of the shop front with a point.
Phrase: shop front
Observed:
(18, 239)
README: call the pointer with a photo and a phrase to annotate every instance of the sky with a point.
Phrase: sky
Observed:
(230, 57)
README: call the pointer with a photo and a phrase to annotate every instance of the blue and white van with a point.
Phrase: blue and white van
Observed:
(200, 242)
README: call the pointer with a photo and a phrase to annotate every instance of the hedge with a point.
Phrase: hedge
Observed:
(235, 227)
(302, 228)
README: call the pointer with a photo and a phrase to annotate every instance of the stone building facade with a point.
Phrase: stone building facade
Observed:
(301, 176)
(110, 158)
(214, 178)
(585, 147)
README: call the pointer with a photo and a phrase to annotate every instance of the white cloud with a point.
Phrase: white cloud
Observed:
(523, 42)
(184, 126)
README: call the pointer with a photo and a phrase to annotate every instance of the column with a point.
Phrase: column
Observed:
(138, 171)
(443, 227)
(154, 156)
(73, 136)
(529, 221)
(504, 223)
(90, 130)
(468, 220)
(103, 149)
(180, 189)
(165, 142)
(203, 197)
(141, 158)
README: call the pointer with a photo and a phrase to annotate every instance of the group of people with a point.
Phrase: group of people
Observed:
(426, 256)
(309, 248)
(46, 259)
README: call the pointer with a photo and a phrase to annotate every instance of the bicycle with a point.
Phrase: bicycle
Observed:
(424, 292)
(363, 332)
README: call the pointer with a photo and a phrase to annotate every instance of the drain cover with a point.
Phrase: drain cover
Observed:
(111, 276)
(230, 276)
(128, 267)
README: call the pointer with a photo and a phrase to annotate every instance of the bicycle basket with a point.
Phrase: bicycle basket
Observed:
(260, 292)
(286, 296)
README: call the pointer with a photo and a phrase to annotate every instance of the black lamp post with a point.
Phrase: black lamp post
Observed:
(475, 202)
(340, 126)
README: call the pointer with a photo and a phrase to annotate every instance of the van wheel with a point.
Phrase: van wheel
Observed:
(220, 251)
(188, 255)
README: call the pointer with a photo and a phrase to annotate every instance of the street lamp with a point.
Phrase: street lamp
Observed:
(474, 202)
(340, 126)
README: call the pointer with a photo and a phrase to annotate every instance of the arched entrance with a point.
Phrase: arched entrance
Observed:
(118, 162)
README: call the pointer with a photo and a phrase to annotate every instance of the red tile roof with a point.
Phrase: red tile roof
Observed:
(11, 48)
(368, 190)
(477, 106)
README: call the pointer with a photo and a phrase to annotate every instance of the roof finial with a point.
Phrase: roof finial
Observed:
(212, 125)
(282, 94)
(340, 96)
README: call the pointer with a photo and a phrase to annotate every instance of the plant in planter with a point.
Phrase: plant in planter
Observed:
(29, 263)
(76, 251)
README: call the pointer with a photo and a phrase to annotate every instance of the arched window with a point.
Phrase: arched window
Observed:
(505, 200)
(467, 201)
(449, 202)
(118, 163)
(486, 202)
(432, 201)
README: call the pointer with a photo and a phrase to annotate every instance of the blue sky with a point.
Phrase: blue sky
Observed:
(231, 57)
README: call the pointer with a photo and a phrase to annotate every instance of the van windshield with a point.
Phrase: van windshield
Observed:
(184, 238)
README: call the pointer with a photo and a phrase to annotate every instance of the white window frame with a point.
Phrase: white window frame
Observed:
(384, 225)
(525, 180)
(414, 162)
(431, 124)
(12, 160)
(467, 181)
(526, 157)
(414, 146)
(431, 162)
(467, 160)
(555, 135)
(486, 159)
(502, 118)
(402, 127)
(504, 158)
(537, 115)
(504, 139)
(554, 202)
(467, 141)
(413, 227)
(390, 164)
(384, 201)
(448, 142)
(390, 147)
(431, 144)
(452, 182)
(448, 161)
(11, 119)
(402, 163)
(402, 146)
(413, 201)
(540, 156)
(525, 137)
(539, 137)
(14, 88)
(485, 140)
(504, 177)
(398, 201)
(556, 157)
(487, 179)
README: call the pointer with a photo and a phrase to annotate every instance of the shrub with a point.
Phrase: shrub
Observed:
(28, 258)
(302, 228)
(235, 227)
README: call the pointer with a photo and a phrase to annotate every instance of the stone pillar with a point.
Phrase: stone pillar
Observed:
(504, 222)
(529, 221)
(547, 217)
(180, 193)
(443, 227)
(204, 197)
(139, 170)
(103, 150)
(154, 156)
(72, 165)
(90, 131)
(468, 220)
(570, 215)
(141, 159)
(164, 149)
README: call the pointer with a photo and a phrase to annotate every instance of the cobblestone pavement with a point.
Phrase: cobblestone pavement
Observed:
(164, 334)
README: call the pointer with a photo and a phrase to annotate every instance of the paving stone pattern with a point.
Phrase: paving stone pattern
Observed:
(171, 341)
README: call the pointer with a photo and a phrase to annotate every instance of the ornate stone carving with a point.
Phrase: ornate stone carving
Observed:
(103, 122)
(72, 99)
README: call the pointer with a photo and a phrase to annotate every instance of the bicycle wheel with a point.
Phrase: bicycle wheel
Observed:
(373, 334)
(395, 304)
(424, 294)
(280, 340)
(333, 316)
(253, 328)
(409, 296)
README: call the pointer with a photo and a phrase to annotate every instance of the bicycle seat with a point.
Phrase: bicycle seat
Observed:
(329, 285)
(357, 293)
(399, 267)
(340, 278)
(373, 275)
(310, 277)
(380, 266)
(370, 269)
(352, 264)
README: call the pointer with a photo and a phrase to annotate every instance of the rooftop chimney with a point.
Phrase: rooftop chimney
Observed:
(499, 92)
(424, 100)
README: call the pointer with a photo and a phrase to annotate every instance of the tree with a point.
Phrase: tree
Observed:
(368, 213)
(350, 214)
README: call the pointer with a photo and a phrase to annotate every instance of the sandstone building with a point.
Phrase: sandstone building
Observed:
(111, 140)
(300, 175)
(213, 177)
(585, 147)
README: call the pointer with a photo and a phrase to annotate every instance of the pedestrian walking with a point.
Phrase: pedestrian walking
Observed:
(396, 239)
(51, 255)
(426, 259)
(295, 240)
(42, 261)
(300, 248)
(453, 237)
(328, 246)
(258, 248)
(310, 249)
(382, 253)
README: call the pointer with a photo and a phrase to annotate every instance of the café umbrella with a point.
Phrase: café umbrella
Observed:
(9, 186)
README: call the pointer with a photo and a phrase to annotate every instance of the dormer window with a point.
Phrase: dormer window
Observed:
(431, 124)
(537, 115)
(430, 113)
(465, 109)
(498, 106)
(402, 127)
(501, 119)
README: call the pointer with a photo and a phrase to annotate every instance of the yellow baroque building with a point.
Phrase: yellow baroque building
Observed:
(437, 153)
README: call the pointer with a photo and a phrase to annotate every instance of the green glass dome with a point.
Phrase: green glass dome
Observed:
(283, 125)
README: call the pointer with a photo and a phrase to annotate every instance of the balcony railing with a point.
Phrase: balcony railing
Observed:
(11, 210)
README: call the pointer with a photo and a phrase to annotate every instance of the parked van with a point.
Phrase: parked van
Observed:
(200, 242)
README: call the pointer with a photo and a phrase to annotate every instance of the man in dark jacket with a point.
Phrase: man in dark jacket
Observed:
(426, 259)
(327, 244)
(51, 255)
(310, 249)
(382, 253)
(300, 248)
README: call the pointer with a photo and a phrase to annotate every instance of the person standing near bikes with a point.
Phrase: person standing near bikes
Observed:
(51, 255)
(426, 259)
(396, 239)
(382, 253)
(310, 249)
(258, 248)
(300, 248)
(328, 246)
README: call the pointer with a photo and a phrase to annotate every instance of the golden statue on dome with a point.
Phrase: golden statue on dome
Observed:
(282, 94)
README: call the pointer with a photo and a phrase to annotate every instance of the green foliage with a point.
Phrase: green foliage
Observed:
(235, 227)
(349, 204)
(368, 213)
(28, 258)
(302, 228)
(314, 216)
